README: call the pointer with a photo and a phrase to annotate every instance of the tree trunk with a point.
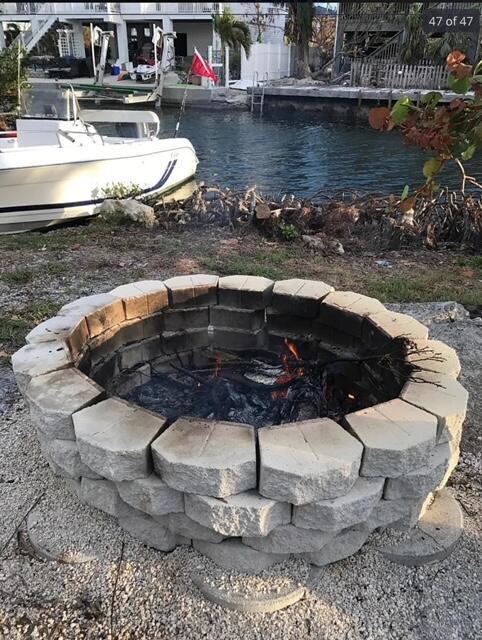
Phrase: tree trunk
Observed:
(302, 69)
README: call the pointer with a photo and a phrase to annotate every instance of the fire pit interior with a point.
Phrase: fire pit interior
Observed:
(253, 419)
(263, 388)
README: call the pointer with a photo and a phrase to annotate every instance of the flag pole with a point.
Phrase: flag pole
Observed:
(183, 102)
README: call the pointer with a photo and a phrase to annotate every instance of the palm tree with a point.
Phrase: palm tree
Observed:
(299, 31)
(233, 32)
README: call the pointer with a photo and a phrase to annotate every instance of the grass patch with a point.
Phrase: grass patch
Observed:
(35, 240)
(267, 263)
(472, 262)
(17, 276)
(436, 286)
(13, 331)
(14, 327)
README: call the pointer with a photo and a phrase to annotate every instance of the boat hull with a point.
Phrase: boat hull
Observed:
(35, 195)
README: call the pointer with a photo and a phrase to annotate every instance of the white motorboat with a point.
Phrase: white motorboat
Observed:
(59, 166)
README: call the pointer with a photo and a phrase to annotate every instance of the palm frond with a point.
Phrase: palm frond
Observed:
(233, 32)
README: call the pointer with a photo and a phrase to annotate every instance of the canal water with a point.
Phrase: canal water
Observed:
(299, 152)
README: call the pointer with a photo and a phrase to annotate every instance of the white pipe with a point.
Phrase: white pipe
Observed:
(154, 40)
(92, 46)
(226, 66)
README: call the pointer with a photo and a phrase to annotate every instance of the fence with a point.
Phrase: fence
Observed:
(395, 75)
(273, 59)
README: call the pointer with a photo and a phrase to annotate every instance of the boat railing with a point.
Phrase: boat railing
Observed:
(70, 138)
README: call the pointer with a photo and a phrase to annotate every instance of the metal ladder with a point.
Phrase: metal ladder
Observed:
(257, 98)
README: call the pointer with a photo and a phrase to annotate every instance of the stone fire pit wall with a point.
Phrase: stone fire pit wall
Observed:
(246, 499)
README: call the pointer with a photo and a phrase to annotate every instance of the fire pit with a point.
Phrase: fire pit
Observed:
(253, 419)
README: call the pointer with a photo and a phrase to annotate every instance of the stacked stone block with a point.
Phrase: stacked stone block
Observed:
(315, 489)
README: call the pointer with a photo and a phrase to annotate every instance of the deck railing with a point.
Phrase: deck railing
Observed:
(394, 75)
(197, 7)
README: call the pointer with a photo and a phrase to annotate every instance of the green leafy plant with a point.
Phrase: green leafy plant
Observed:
(12, 73)
(233, 32)
(452, 132)
(121, 191)
(289, 232)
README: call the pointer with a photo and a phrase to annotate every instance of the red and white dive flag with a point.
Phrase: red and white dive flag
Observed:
(200, 67)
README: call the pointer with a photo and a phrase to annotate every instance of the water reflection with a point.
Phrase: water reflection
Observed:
(299, 152)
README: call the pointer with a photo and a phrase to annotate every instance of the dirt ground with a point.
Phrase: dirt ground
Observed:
(41, 271)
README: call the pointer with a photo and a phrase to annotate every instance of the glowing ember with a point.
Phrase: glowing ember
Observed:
(218, 367)
(290, 372)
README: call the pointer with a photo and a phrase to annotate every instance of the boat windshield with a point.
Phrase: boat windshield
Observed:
(50, 101)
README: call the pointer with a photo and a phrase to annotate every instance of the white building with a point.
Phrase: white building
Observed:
(132, 25)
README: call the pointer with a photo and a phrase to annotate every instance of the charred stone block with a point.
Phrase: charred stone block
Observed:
(104, 345)
(84, 361)
(187, 291)
(246, 292)
(153, 325)
(238, 340)
(176, 341)
(299, 297)
(284, 325)
(104, 372)
(179, 319)
(244, 319)
(131, 331)
(345, 311)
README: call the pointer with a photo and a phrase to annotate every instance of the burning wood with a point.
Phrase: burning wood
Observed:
(261, 388)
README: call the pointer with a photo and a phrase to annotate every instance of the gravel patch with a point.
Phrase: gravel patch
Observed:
(362, 597)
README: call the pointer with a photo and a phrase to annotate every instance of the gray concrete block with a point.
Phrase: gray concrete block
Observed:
(443, 397)
(64, 459)
(87, 304)
(36, 359)
(105, 372)
(101, 494)
(151, 495)
(343, 545)
(205, 457)
(420, 482)
(142, 298)
(145, 528)
(397, 437)
(54, 397)
(106, 317)
(307, 461)
(71, 329)
(243, 514)
(290, 539)
(379, 328)
(183, 525)
(114, 438)
(233, 555)
(387, 512)
(132, 378)
(344, 511)
(434, 356)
